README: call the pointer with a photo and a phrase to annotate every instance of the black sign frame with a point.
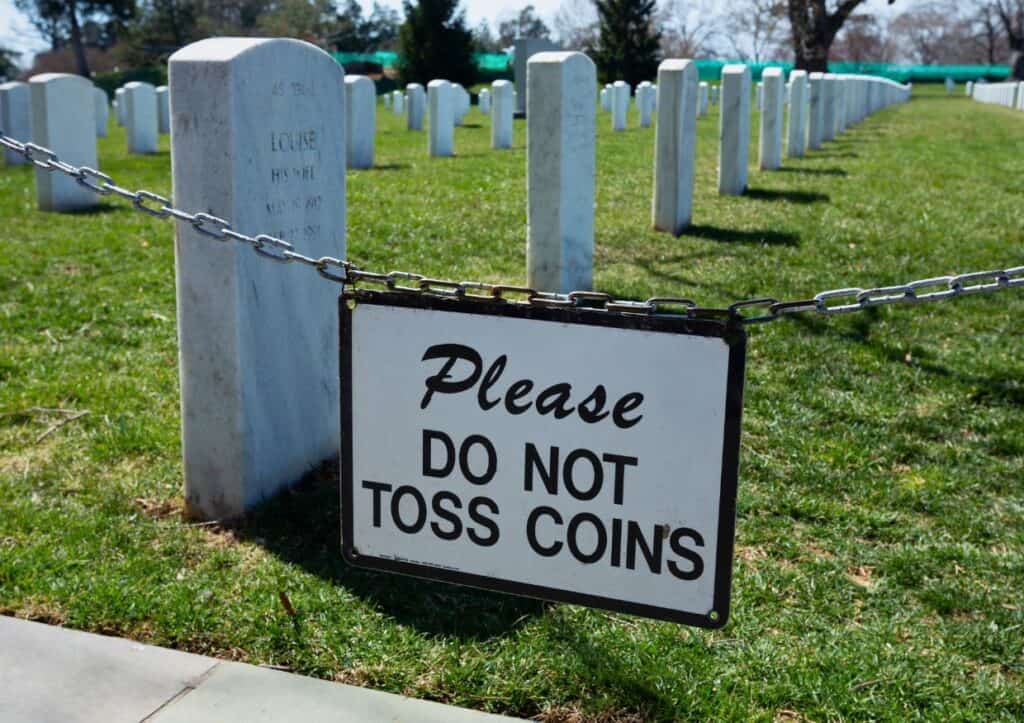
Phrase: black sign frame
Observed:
(728, 330)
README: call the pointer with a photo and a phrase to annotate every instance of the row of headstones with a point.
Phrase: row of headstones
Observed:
(445, 103)
(49, 111)
(258, 136)
(1010, 95)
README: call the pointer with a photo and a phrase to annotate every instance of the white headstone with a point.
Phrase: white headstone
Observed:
(714, 95)
(460, 103)
(523, 50)
(441, 140)
(969, 90)
(770, 147)
(60, 102)
(502, 113)
(759, 93)
(102, 111)
(397, 102)
(360, 120)
(675, 145)
(560, 166)
(606, 103)
(163, 109)
(702, 99)
(417, 102)
(258, 138)
(734, 130)
(387, 101)
(119, 106)
(645, 103)
(16, 117)
(815, 110)
(620, 104)
(830, 99)
(950, 85)
(140, 117)
(797, 113)
(484, 101)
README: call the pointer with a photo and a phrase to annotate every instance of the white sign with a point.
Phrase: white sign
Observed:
(565, 454)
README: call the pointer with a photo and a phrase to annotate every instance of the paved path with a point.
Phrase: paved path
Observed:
(50, 674)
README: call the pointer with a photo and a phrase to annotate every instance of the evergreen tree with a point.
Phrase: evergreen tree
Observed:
(628, 43)
(434, 43)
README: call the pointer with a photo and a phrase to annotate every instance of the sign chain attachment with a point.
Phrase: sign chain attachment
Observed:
(341, 271)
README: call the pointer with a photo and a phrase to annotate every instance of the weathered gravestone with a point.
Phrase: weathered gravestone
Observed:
(59, 103)
(797, 113)
(560, 163)
(140, 117)
(16, 117)
(484, 101)
(815, 110)
(257, 137)
(460, 103)
(523, 50)
(734, 130)
(675, 145)
(397, 102)
(163, 109)
(441, 139)
(645, 103)
(620, 104)
(360, 120)
(770, 147)
(417, 106)
(102, 110)
(502, 114)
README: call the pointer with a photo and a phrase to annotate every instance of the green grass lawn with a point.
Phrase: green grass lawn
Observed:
(880, 551)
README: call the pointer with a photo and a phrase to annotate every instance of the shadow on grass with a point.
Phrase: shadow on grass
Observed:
(813, 171)
(997, 389)
(767, 194)
(389, 167)
(729, 235)
(827, 154)
(97, 210)
(302, 526)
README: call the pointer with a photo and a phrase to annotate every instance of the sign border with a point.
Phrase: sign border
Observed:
(731, 333)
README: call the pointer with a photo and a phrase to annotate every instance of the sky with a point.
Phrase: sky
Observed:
(16, 33)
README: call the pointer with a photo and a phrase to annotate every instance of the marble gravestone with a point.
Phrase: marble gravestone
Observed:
(560, 166)
(502, 114)
(797, 113)
(714, 95)
(484, 101)
(759, 94)
(829, 97)
(60, 101)
(387, 101)
(734, 130)
(258, 138)
(397, 102)
(460, 103)
(140, 121)
(645, 103)
(604, 99)
(441, 139)
(620, 104)
(416, 106)
(772, 107)
(815, 110)
(523, 50)
(163, 109)
(16, 117)
(702, 98)
(119, 106)
(360, 120)
(675, 145)
(102, 109)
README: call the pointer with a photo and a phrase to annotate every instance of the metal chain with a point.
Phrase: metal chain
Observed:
(833, 301)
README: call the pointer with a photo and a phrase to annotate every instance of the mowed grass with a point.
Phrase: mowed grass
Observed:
(880, 532)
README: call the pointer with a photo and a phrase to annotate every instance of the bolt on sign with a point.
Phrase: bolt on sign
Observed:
(560, 453)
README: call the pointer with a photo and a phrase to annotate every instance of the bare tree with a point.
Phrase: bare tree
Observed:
(989, 34)
(756, 28)
(946, 32)
(815, 26)
(576, 25)
(1011, 15)
(688, 29)
(863, 40)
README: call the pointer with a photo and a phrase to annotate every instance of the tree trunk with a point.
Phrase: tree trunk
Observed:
(812, 57)
(77, 45)
(1017, 65)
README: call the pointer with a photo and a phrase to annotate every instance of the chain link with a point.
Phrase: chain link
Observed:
(833, 301)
